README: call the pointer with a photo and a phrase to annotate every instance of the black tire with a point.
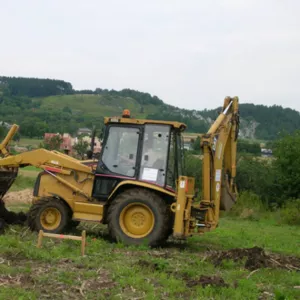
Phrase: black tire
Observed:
(34, 214)
(153, 202)
(171, 224)
(72, 224)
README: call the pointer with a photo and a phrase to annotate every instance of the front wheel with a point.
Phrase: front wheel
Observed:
(49, 214)
(138, 216)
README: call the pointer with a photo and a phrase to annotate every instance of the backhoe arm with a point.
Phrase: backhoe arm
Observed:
(219, 146)
(219, 163)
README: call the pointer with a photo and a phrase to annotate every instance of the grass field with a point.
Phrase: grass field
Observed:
(179, 270)
(95, 105)
(28, 142)
(25, 179)
(113, 271)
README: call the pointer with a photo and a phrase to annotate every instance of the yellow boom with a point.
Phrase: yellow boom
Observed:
(219, 191)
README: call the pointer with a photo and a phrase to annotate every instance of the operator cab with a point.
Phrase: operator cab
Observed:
(139, 150)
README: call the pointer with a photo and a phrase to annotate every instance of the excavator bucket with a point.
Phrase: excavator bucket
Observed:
(7, 178)
(228, 198)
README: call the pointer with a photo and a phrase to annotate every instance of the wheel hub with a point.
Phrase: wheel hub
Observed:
(137, 220)
(50, 218)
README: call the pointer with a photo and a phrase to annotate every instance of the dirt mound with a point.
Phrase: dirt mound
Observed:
(20, 197)
(206, 281)
(256, 258)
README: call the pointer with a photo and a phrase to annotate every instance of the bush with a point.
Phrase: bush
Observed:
(287, 164)
(193, 168)
(259, 177)
(249, 206)
(290, 213)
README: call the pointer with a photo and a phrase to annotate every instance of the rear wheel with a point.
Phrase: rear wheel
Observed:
(138, 216)
(50, 215)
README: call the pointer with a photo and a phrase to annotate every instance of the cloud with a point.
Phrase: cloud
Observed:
(189, 53)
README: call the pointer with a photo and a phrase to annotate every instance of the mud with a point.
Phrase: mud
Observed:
(256, 258)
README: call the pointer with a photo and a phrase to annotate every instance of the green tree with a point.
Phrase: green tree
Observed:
(193, 168)
(67, 109)
(53, 143)
(196, 144)
(81, 147)
(244, 146)
(2, 132)
(33, 127)
(257, 176)
(287, 165)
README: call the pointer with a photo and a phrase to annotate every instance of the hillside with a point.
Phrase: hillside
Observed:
(44, 105)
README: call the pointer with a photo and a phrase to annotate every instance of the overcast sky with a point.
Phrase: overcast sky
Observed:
(189, 53)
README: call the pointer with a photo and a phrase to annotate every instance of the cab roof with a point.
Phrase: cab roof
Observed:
(127, 121)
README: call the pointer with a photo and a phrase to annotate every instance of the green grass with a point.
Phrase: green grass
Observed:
(28, 142)
(23, 181)
(31, 168)
(96, 105)
(113, 271)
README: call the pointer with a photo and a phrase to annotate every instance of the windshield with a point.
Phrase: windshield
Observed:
(120, 150)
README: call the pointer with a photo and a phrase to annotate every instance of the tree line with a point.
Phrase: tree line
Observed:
(276, 180)
(21, 99)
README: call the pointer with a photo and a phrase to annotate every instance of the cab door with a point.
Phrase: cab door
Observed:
(154, 157)
(119, 159)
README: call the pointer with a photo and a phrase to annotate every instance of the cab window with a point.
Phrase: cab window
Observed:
(155, 154)
(120, 150)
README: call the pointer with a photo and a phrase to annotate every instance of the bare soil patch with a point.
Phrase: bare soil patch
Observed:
(256, 258)
(20, 197)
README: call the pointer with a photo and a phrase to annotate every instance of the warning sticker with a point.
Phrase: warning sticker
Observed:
(182, 184)
(218, 187)
(218, 175)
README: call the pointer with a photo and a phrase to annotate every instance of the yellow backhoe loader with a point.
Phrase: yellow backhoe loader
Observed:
(138, 186)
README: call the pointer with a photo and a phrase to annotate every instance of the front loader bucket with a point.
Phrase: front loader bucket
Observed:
(7, 178)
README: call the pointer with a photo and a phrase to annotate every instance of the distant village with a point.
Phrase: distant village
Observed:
(68, 141)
